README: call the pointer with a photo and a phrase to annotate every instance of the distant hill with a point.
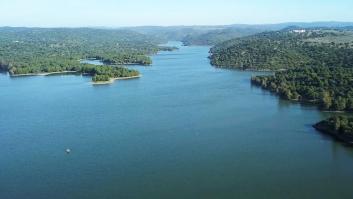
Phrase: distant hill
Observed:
(175, 33)
(218, 36)
(211, 35)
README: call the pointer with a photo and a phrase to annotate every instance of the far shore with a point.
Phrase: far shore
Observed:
(112, 80)
(251, 69)
(42, 74)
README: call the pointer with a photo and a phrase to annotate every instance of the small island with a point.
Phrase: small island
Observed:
(340, 127)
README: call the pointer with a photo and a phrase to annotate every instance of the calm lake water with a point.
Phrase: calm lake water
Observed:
(183, 130)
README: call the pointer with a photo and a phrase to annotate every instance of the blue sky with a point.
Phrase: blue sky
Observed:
(73, 13)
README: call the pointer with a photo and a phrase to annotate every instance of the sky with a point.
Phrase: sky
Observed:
(118, 13)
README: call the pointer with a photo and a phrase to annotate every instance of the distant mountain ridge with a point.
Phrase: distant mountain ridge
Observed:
(211, 35)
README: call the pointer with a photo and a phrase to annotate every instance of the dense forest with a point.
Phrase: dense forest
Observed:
(341, 127)
(41, 50)
(285, 49)
(331, 88)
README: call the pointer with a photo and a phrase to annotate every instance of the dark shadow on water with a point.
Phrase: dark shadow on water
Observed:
(282, 103)
(49, 75)
(64, 74)
(162, 59)
(102, 85)
(336, 145)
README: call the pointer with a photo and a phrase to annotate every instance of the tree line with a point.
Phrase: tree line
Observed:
(328, 87)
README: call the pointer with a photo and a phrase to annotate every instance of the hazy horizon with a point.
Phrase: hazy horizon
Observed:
(181, 25)
(132, 13)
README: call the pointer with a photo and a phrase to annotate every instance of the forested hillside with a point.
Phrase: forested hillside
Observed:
(40, 50)
(285, 49)
(318, 63)
(319, 70)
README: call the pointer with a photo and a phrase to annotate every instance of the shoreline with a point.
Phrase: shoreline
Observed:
(107, 63)
(322, 128)
(43, 74)
(313, 103)
(112, 80)
(249, 69)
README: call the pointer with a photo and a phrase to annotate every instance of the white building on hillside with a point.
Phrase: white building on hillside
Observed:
(299, 31)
